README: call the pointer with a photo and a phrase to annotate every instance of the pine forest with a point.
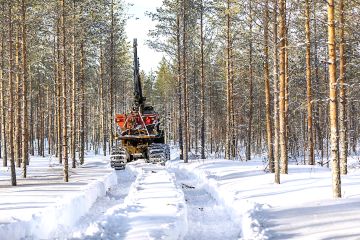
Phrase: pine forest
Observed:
(239, 79)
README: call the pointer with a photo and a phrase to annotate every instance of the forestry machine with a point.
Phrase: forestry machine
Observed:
(138, 132)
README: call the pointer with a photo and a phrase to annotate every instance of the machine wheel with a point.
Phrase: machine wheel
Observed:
(158, 153)
(118, 158)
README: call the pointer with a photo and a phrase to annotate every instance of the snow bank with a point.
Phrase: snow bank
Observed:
(248, 192)
(162, 204)
(242, 212)
(62, 204)
(154, 209)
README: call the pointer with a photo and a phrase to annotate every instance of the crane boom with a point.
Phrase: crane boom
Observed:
(139, 99)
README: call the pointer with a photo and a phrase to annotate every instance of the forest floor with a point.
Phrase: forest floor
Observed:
(204, 199)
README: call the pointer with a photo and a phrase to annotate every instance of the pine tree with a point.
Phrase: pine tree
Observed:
(269, 130)
(25, 131)
(343, 128)
(185, 81)
(335, 166)
(202, 91)
(282, 69)
(2, 96)
(73, 90)
(11, 97)
(251, 97)
(276, 96)
(64, 93)
(311, 159)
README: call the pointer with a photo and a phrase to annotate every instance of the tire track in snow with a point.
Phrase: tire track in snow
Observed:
(151, 207)
(206, 218)
(114, 196)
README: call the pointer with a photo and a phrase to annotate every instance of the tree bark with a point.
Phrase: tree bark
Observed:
(181, 142)
(17, 102)
(251, 73)
(276, 97)
(269, 130)
(58, 93)
(112, 62)
(335, 166)
(64, 94)
(343, 123)
(318, 122)
(282, 126)
(102, 104)
(202, 104)
(229, 137)
(185, 83)
(82, 105)
(311, 159)
(73, 93)
(11, 98)
(2, 97)
(25, 129)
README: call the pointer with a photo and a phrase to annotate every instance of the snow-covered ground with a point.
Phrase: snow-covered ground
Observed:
(204, 212)
(43, 203)
(204, 199)
(301, 207)
(153, 209)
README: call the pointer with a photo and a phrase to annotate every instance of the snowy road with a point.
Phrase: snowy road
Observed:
(145, 204)
(114, 196)
(206, 218)
(153, 202)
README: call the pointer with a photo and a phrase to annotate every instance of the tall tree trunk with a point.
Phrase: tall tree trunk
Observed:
(269, 131)
(73, 93)
(181, 142)
(49, 114)
(11, 99)
(282, 126)
(287, 128)
(17, 103)
(319, 130)
(335, 166)
(311, 159)
(232, 112)
(202, 107)
(2, 97)
(31, 120)
(276, 97)
(251, 73)
(47, 117)
(112, 62)
(102, 104)
(58, 94)
(185, 84)
(343, 123)
(25, 129)
(42, 120)
(82, 105)
(228, 141)
(64, 95)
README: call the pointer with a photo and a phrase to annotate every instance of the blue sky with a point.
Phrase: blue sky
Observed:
(138, 27)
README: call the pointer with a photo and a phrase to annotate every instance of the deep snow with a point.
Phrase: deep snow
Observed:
(153, 209)
(204, 199)
(204, 213)
(116, 195)
(301, 207)
(43, 203)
